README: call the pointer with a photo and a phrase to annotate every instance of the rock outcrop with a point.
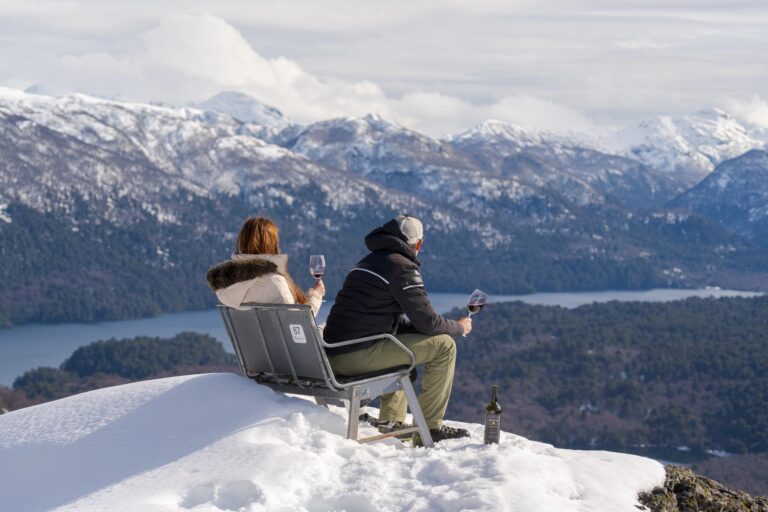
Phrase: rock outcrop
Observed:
(685, 491)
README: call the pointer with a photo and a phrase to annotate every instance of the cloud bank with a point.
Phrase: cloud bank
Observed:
(187, 58)
(438, 67)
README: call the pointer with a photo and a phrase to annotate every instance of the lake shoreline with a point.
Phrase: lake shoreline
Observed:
(32, 345)
(522, 297)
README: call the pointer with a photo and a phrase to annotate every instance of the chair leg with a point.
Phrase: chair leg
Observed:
(354, 414)
(418, 416)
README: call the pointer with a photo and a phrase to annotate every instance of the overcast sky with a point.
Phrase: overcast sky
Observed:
(437, 66)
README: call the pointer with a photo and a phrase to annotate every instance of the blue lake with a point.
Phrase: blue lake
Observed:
(30, 346)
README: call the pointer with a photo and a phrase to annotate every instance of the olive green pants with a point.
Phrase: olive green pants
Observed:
(437, 353)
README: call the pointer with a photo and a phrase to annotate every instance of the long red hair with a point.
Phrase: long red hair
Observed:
(259, 235)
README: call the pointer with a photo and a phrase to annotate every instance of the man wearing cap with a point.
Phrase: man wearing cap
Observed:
(377, 292)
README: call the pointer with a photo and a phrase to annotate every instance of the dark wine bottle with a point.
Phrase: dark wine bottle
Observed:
(493, 419)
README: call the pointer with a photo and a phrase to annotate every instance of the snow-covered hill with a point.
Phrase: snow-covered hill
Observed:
(221, 442)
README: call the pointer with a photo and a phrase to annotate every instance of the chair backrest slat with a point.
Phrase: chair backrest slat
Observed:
(303, 342)
(286, 344)
(276, 340)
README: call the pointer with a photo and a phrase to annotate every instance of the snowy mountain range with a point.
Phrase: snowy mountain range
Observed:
(492, 165)
(221, 442)
(689, 146)
(103, 151)
(142, 184)
(578, 172)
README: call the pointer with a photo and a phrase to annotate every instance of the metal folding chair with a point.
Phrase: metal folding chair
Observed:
(279, 345)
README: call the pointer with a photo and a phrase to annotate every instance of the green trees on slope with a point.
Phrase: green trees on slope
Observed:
(612, 375)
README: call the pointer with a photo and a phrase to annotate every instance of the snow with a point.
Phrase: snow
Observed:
(495, 129)
(501, 131)
(245, 108)
(696, 143)
(723, 180)
(4, 216)
(271, 152)
(221, 442)
(9, 93)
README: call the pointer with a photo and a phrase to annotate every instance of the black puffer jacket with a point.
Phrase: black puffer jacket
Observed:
(378, 290)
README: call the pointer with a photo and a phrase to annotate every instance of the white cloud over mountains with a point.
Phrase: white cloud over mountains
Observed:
(439, 67)
(187, 58)
(753, 111)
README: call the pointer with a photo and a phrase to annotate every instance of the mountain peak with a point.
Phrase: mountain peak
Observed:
(375, 117)
(691, 145)
(495, 129)
(244, 107)
(379, 122)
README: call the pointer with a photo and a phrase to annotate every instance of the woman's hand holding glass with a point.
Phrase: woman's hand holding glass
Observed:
(317, 269)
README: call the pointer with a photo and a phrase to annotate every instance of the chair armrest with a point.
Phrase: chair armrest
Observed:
(369, 338)
(357, 340)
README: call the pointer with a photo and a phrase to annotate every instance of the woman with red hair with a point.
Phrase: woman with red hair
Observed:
(258, 272)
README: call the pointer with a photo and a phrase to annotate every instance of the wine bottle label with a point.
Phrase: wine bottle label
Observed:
(492, 428)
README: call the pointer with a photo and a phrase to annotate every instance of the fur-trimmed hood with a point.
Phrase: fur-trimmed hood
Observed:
(249, 277)
(243, 267)
(259, 278)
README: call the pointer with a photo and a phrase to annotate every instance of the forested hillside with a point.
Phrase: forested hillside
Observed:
(619, 375)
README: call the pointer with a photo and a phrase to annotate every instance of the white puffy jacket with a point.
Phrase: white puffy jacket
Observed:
(256, 278)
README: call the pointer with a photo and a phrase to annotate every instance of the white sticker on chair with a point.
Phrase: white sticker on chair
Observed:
(297, 333)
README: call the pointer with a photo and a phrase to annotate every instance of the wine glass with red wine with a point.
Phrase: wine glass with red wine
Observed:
(476, 301)
(317, 266)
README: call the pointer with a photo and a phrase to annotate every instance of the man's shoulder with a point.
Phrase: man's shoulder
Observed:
(391, 263)
(390, 257)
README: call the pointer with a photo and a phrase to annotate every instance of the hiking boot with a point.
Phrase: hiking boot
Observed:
(438, 434)
(367, 418)
(385, 427)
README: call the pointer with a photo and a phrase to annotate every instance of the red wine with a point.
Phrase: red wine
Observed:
(493, 419)
(317, 275)
(474, 308)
